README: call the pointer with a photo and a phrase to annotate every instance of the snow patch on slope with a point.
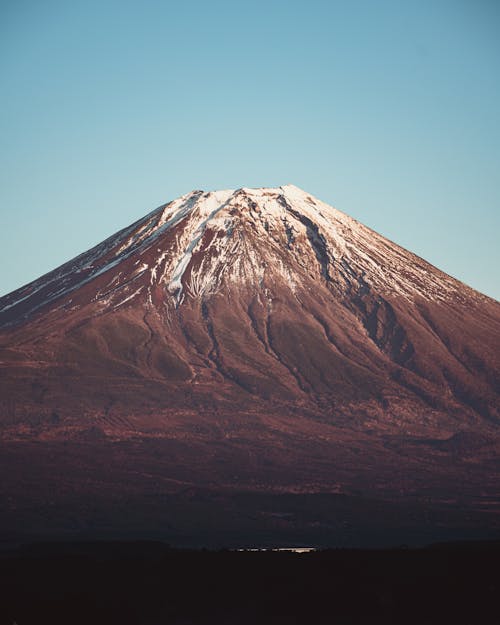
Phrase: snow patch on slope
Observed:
(203, 241)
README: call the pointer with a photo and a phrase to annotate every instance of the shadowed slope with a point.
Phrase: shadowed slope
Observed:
(261, 328)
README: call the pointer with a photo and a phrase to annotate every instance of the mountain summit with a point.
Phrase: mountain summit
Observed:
(271, 343)
(204, 242)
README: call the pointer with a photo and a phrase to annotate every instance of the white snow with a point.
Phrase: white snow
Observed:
(261, 236)
(213, 204)
(129, 297)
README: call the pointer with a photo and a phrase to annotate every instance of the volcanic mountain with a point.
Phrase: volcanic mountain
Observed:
(254, 341)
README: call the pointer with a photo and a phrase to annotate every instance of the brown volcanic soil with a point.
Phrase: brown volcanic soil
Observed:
(276, 360)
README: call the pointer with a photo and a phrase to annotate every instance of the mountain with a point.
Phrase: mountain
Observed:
(255, 342)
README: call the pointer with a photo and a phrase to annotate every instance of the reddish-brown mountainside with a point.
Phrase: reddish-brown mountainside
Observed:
(256, 340)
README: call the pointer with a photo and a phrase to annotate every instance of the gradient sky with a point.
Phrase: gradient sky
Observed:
(388, 110)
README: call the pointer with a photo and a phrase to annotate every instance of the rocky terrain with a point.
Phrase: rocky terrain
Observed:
(253, 341)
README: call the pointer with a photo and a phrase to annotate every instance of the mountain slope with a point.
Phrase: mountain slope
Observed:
(283, 344)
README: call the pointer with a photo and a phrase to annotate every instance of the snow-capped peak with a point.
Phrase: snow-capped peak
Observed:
(208, 242)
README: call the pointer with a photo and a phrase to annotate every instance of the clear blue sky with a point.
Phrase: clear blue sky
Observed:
(387, 109)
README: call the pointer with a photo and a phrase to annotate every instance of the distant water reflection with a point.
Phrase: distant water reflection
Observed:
(291, 549)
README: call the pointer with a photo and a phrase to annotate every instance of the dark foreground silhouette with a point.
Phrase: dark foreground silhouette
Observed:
(148, 583)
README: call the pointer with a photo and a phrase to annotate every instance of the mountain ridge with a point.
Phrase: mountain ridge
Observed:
(281, 344)
(188, 204)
